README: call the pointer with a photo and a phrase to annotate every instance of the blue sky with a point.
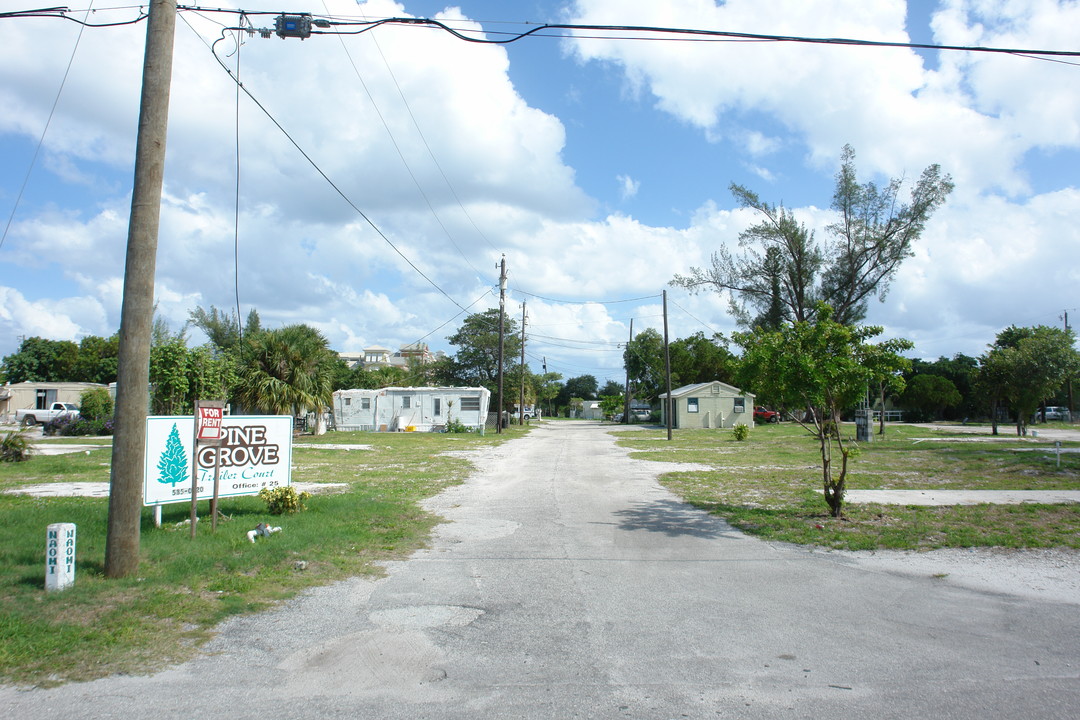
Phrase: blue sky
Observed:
(598, 167)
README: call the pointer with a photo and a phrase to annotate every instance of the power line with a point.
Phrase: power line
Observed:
(397, 147)
(61, 13)
(326, 177)
(585, 302)
(649, 33)
(44, 130)
(430, 152)
(703, 323)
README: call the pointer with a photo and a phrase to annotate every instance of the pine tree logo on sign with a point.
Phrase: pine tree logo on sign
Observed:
(173, 464)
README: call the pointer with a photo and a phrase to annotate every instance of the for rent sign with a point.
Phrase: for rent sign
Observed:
(255, 453)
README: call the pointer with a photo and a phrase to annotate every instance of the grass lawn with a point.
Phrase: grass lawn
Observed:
(184, 588)
(770, 486)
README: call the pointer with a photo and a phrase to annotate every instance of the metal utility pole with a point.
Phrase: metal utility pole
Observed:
(137, 312)
(667, 371)
(502, 315)
(521, 396)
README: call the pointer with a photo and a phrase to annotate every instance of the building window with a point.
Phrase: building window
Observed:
(740, 404)
(470, 403)
(691, 405)
(438, 407)
(406, 403)
(365, 403)
(348, 401)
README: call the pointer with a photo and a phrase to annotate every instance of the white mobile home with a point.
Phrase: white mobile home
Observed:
(420, 409)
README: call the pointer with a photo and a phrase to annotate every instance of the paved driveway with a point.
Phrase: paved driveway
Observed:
(570, 584)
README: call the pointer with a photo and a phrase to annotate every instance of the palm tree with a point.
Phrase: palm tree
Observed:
(287, 371)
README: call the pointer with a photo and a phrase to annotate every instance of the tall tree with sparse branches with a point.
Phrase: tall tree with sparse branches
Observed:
(781, 272)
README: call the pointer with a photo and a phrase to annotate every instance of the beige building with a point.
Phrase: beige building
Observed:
(377, 356)
(39, 395)
(708, 405)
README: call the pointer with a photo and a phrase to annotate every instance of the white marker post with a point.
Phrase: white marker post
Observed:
(60, 556)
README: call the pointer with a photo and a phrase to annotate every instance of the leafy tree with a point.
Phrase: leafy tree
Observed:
(822, 365)
(886, 372)
(169, 378)
(211, 375)
(286, 371)
(161, 332)
(41, 360)
(961, 370)
(343, 375)
(611, 405)
(929, 395)
(783, 273)
(222, 327)
(381, 377)
(96, 404)
(990, 383)
(644, 362)
(698, 359)
(97, 359)
(548, 386)
(611, 387)
(582, 387)
(1027, 365)
(476, 362)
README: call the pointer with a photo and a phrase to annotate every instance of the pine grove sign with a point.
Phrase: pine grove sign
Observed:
(255, 453)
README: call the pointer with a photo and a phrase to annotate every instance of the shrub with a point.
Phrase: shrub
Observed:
(456, 426)
(740, 432)
(283, 500)
(15, 447)
(96, 404)
(70, 426)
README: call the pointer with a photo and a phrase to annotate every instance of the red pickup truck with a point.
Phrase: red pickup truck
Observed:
(763, 414)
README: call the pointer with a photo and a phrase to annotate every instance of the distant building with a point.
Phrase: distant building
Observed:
(374, 357)
(40, 395)
(708, 405)
(420, 409)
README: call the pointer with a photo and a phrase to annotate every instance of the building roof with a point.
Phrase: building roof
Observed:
(699, 388)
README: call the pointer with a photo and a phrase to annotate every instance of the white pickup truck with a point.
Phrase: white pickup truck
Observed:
(26, 418)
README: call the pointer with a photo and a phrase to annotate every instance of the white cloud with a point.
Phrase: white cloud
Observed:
(66, 319)
(304, 255)
(628, 186)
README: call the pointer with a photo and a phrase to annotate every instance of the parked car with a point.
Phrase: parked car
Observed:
(1054, 412)
(765, 415)
(29, 417)
(530, 412)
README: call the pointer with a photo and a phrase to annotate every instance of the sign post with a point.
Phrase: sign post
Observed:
(208, 417)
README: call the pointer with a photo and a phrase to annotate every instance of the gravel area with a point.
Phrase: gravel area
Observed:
(1043, 574)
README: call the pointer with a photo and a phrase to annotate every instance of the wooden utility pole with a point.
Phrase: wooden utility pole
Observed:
(629, 396)
(502, 331)
(521, 396)
(137, 312)
(1068, 381)
(667, 371)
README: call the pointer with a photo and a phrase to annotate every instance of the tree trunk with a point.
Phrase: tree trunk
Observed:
(834, 498)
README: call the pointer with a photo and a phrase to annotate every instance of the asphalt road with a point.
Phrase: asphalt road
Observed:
(569, 584)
